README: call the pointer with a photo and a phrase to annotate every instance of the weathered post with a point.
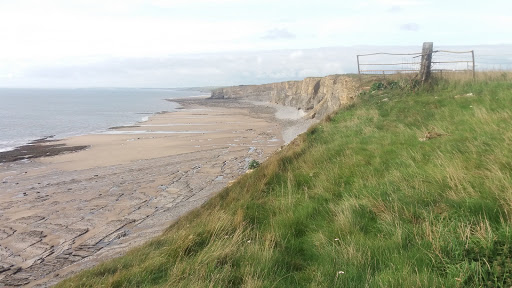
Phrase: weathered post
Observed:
(473, 56)
(359, 70)
(358, 66)
(426, 61)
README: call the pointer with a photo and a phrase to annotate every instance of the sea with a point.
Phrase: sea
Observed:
(30, 114)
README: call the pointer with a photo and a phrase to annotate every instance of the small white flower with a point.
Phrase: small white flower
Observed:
(336, 239)
(248, 241)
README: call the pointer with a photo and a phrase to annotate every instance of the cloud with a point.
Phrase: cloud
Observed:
(396, 6)
(7, 76)
(403, 2)
(277, 33)
(296, 54)
(410, 27)
(218, 69)
(395, 9)
(209, 69)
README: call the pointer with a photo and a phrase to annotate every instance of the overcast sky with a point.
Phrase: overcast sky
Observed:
(176, 43)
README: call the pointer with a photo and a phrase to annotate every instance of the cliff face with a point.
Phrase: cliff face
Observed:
(317, 96)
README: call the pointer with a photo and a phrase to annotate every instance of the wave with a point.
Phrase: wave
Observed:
(11, 145)
(5, 149)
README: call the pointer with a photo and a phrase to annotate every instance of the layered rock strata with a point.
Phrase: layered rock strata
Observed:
(316, 96)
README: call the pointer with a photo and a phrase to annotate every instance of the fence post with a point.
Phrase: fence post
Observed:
(359, 70)
(426, 61)
(473, 55)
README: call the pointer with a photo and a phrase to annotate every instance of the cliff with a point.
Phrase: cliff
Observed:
(317, 96)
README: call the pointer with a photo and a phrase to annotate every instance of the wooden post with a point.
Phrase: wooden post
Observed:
(426, 61)
(358, 67)
(473, 55)
(359, 71)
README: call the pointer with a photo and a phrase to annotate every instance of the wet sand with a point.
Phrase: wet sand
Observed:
(67, 212)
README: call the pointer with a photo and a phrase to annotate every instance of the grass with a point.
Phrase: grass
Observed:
(357, 201)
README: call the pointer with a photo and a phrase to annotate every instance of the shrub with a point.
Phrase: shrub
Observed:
(254, 164)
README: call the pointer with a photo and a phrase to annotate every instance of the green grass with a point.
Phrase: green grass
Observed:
(358, 201)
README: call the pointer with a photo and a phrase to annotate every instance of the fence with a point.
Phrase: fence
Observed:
(383, 63)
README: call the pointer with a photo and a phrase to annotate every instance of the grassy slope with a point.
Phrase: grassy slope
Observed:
(359, 201)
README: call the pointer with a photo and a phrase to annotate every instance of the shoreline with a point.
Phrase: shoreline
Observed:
(9, 145)
(42, 147)
(37, 149)
(68, 212)
(46, 147)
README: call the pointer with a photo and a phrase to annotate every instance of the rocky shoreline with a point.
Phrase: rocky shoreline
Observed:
(43, 147)
(70, 211)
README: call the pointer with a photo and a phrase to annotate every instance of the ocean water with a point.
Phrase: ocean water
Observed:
(30, 114)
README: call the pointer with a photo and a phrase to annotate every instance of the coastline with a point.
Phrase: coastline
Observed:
(71, 211)
(45, 145)
(65, 113)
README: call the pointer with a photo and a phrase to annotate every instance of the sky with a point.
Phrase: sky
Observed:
(183, 43)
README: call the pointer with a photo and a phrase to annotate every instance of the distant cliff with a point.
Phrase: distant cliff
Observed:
(317, 96)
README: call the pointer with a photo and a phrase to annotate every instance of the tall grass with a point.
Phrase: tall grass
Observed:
(358, 201)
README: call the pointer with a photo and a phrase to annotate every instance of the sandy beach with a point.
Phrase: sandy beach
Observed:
(70, 211)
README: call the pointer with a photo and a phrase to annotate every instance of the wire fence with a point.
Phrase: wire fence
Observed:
(388, 63)
(383, 63)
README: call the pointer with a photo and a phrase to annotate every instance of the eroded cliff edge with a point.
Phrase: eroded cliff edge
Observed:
(316, 96)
